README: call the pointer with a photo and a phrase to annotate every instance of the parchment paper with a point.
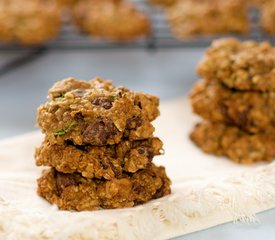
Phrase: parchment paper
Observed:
(207, 191)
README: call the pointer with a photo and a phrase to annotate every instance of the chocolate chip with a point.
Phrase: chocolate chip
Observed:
(242, 118)
(134, 123)
(141, 151)
(103, 102)
(79, 116)
(139, 105)
(63, 181)
(138, 188)
(99, 132)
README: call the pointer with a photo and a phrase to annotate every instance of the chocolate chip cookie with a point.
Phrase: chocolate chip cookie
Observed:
(250, 110)
(74, 192)
(99, 162)
(246, 66)
(236, 144)
(96, 113)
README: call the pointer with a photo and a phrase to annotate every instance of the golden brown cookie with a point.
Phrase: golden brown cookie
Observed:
(240, 65)
(96, 112)
(67, 2)
(268, 17)
(29, 22)
(74, 192)
(162, 2)
(116, 20)
(230, 141)
(251, 111)
(99, 162)
(202, 17)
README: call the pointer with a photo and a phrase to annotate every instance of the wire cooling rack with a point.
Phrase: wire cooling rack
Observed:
(70, 38)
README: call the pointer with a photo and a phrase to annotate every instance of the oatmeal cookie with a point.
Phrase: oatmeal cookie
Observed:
(99, 162)
(251, 111)
(96, 112)
(196, 17)
(74, 192)
(162, 2)
(260, 2)
(116, 20)
(231, 141)
(67, 2)
(240, 65)
(29, 22)
(268, 17)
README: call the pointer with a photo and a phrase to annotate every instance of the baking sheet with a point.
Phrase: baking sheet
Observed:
(207, 191)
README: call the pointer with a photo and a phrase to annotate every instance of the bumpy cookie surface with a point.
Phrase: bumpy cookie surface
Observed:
(96, 112)
(240, 65)
(251, 111)
(230, 141)
(73, 192)
(99, 162)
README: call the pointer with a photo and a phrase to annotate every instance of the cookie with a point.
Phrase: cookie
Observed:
(189, 18)
(96, 112)
(162, 2)
(232, 142)
(240, 65)
(268, 17)
(251, 111)
(74, 192)
(99, 162)
(29, 22)
(67, 3)
(115, 20)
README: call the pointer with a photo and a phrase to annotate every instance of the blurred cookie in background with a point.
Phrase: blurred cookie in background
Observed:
(162, 2)
(115, 20)
(29, 22)
(267, 21)
(67, 3)
(194, 17)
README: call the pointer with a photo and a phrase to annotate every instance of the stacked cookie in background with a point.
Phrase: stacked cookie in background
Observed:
(237, 98)
(99, 144)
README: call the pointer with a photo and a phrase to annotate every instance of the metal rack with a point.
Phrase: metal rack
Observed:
(71, 39)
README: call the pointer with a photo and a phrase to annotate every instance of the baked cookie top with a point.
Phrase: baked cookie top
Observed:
(247, 65)
(96, 112)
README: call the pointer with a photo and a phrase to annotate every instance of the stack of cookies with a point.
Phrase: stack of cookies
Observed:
(237, 98)
(99, 144)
